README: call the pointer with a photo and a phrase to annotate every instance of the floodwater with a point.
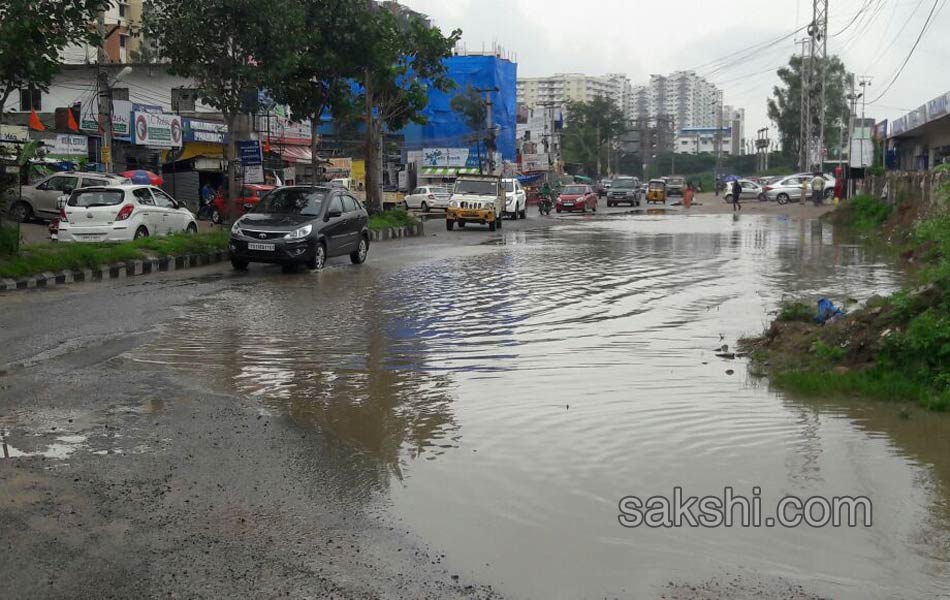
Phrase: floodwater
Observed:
(498, 401)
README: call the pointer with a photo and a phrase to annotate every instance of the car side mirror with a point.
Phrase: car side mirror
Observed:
(68, 189)
(334, 214)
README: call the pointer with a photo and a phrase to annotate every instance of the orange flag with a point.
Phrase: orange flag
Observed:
(35, 123)
(266, 145)
(71, 121)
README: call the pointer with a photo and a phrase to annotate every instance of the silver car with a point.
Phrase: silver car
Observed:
(830, 183)
(750, 191)
(787, 190)
(41, 201)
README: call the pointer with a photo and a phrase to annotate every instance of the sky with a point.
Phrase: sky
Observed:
(727, 41)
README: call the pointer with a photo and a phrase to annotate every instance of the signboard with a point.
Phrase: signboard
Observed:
(203, 131)
(535, 162)
(938, 106)
(121, 117)
(156, 130)
(445, 157)
(345, 164)
(284, 131)
(14, 133)
(70, 145)
(251, 161)
(106, 154)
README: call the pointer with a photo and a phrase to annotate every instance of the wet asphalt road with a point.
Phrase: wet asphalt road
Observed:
(127, 480)
(455, 419)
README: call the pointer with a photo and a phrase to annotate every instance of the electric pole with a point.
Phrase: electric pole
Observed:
(865, 83)
(818, 67)
(105, 96)
(805, 118)
(853, 98)
(719, 123)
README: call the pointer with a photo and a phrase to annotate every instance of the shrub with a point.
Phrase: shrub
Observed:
(9, 240)
(797, 312)
(868, 212)
(392, 218)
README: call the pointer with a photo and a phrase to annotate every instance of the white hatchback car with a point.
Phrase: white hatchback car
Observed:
(121, 213)
(429, 196)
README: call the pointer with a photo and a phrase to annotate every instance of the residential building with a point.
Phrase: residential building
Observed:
(688, 98)
(702, 140)
(123, 29)
(561, 88)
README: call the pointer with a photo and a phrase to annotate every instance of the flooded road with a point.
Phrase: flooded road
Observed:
(497, 400)
(510, 397)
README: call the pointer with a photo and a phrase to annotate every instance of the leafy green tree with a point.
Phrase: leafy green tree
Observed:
(588, 129)
(785, 107)
(32, 35)
(473, 109)
(403, 61)
(329, 55)
(231, 49)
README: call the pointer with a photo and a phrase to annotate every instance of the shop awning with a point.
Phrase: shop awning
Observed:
(300, 154)
(205, 149)
(448, 171)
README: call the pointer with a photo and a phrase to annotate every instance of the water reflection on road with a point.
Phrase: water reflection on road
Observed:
(548, 375)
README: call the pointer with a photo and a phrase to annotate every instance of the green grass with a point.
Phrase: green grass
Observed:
(878, 383)
(8, 239)
(54, 256)
(867, 212)
(391, 218)
(796, 312)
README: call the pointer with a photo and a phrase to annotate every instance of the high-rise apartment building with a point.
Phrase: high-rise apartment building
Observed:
(123, 26)
(561, 88)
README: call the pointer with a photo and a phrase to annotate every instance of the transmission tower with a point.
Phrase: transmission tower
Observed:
(817, 73)
(804, 117)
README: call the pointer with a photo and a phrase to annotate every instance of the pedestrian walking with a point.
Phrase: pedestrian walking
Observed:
(688, 194)
(736, 195)
(818, 189)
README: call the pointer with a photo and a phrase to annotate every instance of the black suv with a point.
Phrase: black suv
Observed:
(624, 190)
(301, 225)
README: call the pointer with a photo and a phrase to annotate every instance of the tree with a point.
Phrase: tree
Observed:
(232, 49)
(33, 33)
(473, 110)
(785, 107)
(329, 53)
(403, 61)
(588, 129)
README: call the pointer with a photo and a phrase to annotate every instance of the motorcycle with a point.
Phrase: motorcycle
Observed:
(545, 205)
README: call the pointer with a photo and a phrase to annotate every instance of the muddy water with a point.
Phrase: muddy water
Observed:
(506, 397)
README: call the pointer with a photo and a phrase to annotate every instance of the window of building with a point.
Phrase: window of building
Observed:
(30, 99)
(123, 9)
(123, 40)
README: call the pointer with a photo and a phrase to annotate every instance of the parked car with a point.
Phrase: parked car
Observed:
(830, 183)
(121, 213)
(41, 201)
(427, 197)
(624, 190)
(301, 225)
(343, 182)
(516, 200)
(786, 190)
(750, 191)
(577, 198)
(251, 194)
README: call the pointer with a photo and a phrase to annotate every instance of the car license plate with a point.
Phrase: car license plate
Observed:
(568, 204)
(261, 247)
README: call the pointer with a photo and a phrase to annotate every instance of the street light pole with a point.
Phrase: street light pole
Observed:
(105, 96)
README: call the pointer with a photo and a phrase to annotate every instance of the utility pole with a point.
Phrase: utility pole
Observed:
(105, 96)
(673, 145)
(719, 118)
(865, 83)
(853, 98)
(818, 67)
(805, 117)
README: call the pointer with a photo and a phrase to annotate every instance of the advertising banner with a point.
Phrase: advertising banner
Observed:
(535, 162)
(445, 157)
(156, 130)
(70, 145)
(121, 117)
(203, 131)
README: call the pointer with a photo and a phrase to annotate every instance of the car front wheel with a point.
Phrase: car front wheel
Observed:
(319, 259)
(782, 198)
(192, 228)
(358, 257)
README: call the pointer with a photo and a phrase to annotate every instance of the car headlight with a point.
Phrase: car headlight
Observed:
(236, 228)
(453, 203)
(299, 233)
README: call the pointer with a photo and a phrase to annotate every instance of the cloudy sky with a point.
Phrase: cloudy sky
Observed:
(640, 37)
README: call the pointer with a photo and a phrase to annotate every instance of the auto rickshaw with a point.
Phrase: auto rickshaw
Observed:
(656, 191)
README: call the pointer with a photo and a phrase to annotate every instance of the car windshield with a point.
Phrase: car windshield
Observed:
(91, 198)
(574, 190)
(676, 180)
(509, 186)
(478, 187)
(624, 184)
(440, 191)
(295, 201)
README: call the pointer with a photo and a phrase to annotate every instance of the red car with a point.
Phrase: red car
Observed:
(577, 198)
(250, 195)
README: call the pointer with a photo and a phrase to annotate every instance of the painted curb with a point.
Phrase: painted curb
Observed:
(137, 268)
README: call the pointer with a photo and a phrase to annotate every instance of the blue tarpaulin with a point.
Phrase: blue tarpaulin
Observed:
(445, 127)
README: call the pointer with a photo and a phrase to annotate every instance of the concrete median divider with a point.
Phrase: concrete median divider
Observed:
(138, 268)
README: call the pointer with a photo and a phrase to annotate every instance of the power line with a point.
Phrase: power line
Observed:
(910, 54)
